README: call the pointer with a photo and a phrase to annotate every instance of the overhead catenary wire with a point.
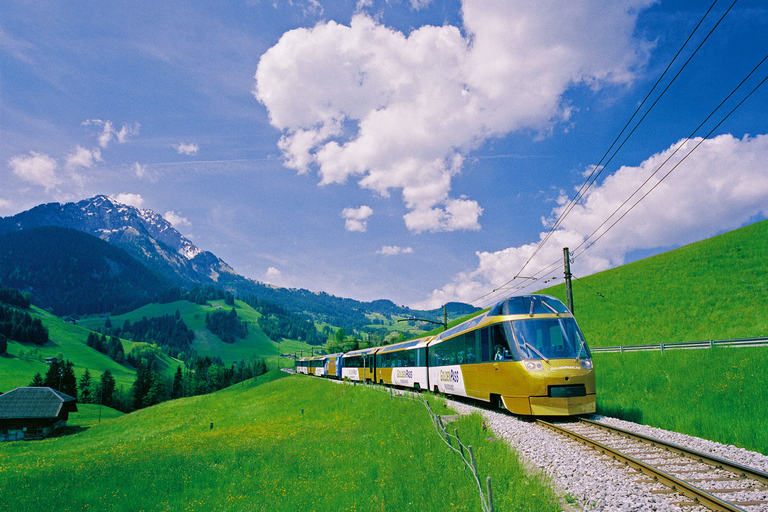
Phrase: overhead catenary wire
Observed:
(600, 167)
(681, 145)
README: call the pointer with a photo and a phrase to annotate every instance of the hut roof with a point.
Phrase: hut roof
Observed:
(35, 403)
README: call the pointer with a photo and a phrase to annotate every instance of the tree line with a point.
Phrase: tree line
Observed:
(227, 326)
(112, 348)
(150, 386)
(168, 331)
(278, 323)
(20, 326)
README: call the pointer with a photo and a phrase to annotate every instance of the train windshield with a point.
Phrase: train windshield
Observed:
(549, 338)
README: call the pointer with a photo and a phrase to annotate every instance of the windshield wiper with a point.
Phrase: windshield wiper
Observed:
(583, 346)
(550, 307)
(535, 350)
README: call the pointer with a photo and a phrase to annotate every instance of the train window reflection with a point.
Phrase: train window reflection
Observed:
(552, 338)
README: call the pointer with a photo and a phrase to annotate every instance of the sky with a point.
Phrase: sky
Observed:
(412, 150)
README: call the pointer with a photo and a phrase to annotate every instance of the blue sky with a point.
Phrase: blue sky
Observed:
(416, 151)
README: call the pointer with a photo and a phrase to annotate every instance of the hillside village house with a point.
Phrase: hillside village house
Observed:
(33, 413)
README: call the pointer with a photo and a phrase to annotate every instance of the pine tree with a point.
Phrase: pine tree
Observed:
(37, 381)
(84, 393)
(178, 384)
(68, 380)
(107, 389)
(54, 375)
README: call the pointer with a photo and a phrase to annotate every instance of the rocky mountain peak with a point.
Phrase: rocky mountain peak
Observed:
(145, 234)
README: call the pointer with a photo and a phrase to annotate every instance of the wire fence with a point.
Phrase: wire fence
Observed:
(452, 440)
(686, 345)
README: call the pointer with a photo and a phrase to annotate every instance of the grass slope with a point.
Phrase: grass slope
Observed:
(713, 289)
(24, 360)
(352, 448)
(255, 344)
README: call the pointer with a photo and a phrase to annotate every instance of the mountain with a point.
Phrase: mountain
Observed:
(72, 272)
(143, 234)
(171, 260)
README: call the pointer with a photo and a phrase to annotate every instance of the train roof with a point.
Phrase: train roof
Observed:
(521, 305)
(361, 352)
(417, 343)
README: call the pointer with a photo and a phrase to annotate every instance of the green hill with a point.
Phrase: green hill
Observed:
(68, 341)
(273, 443)
(713, 289)
(255, 344)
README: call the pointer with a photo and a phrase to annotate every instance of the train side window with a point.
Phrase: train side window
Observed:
(469, 347)
(485, 346)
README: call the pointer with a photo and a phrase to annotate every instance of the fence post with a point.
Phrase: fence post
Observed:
(458, 441)
(472, 458)
(490, 494)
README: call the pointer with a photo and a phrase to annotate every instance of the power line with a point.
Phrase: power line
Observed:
(682, 144)
(599, 168)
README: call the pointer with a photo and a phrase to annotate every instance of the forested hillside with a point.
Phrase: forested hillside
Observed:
(73, 273)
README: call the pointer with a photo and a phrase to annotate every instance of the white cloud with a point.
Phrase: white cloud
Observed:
(394, 250)
(187, 149)
(356, 219)
(274, 276)
(130, 199)
(719, 187)
(109, 133)
(82, 157)
(176, 219)
(139, 170)
(37, 168)
(400, 111)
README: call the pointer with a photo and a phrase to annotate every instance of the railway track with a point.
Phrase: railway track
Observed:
(705, 480)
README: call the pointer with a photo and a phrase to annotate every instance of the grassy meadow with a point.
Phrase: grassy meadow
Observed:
(68, 340)
(256, 343)
(352, 448)
(717, 394)
(713, 289)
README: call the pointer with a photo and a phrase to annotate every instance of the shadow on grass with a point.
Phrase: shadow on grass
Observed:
(629, 414)
(68, 430)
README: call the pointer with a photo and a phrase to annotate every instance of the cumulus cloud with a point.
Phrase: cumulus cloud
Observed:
(394, 250)
(37, 168)
(82, 157)
(176, 219)
(719, 187)
(356, 219)
(400, 112)
(187, 149)
(130, 199)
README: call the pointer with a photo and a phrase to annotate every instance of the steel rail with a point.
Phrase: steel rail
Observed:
(699, 496)
(717, 462)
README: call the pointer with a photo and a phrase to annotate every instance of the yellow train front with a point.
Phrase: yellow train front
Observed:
(526, 354)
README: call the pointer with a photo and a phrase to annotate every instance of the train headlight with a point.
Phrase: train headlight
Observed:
(586, 364)
(534, 366)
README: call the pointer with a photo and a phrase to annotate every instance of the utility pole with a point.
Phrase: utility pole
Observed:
(568, 288)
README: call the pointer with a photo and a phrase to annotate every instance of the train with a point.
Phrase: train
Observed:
(526, 354)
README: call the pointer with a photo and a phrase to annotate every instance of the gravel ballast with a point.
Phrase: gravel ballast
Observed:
(593, 480)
